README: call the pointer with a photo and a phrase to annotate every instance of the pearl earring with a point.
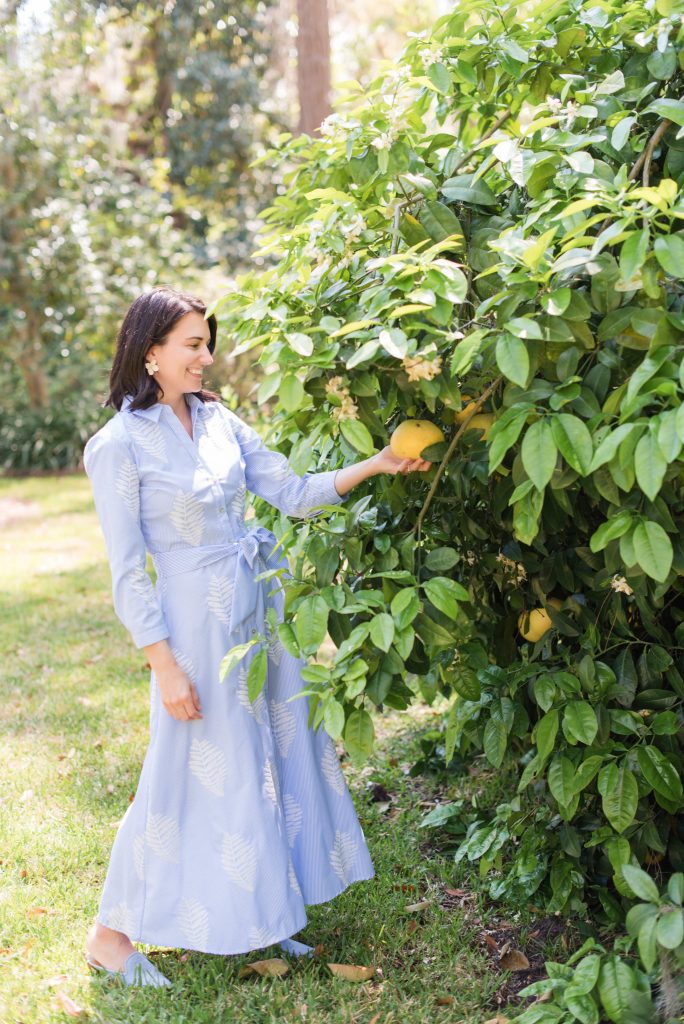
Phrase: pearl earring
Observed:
(151, 365)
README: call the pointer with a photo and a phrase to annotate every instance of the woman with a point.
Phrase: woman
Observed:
(242, 815)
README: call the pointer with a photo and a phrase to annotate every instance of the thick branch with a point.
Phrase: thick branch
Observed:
(647, 155)
(471, 152)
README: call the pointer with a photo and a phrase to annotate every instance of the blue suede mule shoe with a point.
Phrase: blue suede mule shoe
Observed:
(137, 970)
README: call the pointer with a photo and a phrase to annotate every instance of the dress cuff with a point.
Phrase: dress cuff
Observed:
(150, 636)
(325, 491)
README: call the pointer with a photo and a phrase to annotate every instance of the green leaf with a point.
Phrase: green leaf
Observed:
(561, 777)
(440, 78)
(300, 343)
(609, 445)
(659, 772)
(640, 883)
(545, 733)
(440, 222)
(580, 719)
(620, 795)
(653, 550)
(311, 623)
(382, 631)
(621, 132)
(670, 930)
(512, 359)
(363, 353)
(615, 986)
(405, 606)
(633, 253)
(669, 251)
(650, 464)
(539, 453)
(445, 594)
(494, 742)
(333, 718)
(504, 432)
(256, 674)
(441, 558)
(352, 643)
(234, 657)
(646, 941)
(465, 682)
(358, 435)
(673, 110)
(586, 772)
(614, 528)
(359, 735)
(462, 189)
(574, 441)
(582, 1006)
(291, 393)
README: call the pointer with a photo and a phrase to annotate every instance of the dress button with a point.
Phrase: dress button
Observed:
(221, 510)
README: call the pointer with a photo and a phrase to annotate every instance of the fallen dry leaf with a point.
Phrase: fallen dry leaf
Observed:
(352, 972)
(57, 980)
(411, 926)
(444, 1000)
(272, 968)
(491, 942)
(499, 1019)
(414, 908)
(38, 911)
(71, 1008)
(514, 960)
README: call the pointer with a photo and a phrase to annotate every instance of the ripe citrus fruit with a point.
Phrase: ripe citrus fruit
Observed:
(411, 436)
(466, 410)
(540, 621)
(482, 421)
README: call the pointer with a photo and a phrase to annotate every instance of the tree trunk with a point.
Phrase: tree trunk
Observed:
(29, 359)
(313, 64)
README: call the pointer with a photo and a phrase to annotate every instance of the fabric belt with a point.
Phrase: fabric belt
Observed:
(259, 543)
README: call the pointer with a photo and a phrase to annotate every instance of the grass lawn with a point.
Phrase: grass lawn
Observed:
(74, 713)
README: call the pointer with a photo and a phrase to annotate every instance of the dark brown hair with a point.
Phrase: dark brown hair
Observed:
(148, 321)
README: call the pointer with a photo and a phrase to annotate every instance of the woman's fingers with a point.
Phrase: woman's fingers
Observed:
(196, 700)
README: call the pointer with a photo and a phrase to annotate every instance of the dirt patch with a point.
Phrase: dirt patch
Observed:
(512, 945)
(14, 511)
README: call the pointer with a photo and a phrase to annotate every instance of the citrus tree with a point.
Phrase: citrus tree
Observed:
(489, 237)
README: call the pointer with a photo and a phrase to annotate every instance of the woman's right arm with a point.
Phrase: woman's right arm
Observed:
(113, 475)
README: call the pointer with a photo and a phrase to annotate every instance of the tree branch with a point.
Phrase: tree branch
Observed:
(471, 152)
(646, 156)
(477, 405)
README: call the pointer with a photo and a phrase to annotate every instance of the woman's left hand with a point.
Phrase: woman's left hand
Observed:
(386, 462)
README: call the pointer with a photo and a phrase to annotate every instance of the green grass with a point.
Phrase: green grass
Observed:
(74, 713)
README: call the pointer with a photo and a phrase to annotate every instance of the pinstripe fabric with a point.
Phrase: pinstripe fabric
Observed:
(242, 818)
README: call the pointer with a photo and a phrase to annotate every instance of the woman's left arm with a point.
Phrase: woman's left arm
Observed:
(383, 462)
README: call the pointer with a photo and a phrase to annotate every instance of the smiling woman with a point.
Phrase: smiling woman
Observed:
(242, 815)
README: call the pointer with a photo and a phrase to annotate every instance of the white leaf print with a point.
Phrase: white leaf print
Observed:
(127, 486)
(343, 855)
(271, 783)
(238, 857)
(330, 766)
(260, 937)
(293, 818)
(220, 598)
(237, 502)
(284, 725)
(258, 709)
(121, 918)
(275, 648)
(148, 435)
(200, 428)
(163, 836)
(292, 877)
(193, 921)
(281, 471)
(139, 855)
(141, 583)
(208, 764)
(185, 663)
(187, 515)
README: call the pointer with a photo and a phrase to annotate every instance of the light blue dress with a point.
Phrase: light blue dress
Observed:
(243, 817)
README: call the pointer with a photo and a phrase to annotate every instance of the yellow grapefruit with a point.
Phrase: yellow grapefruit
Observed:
(468, 408)
(412, 436)
(540, 621)
(482, 421)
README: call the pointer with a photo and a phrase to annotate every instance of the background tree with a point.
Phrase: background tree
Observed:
(313, 64)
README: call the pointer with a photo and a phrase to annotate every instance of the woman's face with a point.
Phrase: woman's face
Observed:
(183, 356)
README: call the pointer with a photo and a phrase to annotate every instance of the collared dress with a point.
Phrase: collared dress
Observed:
(243, 817)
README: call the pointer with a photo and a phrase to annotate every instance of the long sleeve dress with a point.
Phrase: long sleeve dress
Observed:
(242, 817)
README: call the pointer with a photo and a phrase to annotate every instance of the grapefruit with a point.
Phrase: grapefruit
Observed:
(540, 621)
(410, 438)
(468, 408)
(483, 422)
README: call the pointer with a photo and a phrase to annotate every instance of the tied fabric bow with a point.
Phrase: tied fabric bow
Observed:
(257, 545)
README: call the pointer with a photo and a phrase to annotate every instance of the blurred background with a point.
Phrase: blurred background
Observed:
(128, 135)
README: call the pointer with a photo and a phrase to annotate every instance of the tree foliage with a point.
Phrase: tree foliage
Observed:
(498, 217)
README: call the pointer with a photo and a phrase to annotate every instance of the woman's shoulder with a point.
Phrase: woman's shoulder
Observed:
(112, 436)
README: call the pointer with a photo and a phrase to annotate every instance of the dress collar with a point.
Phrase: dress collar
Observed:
(154, 411)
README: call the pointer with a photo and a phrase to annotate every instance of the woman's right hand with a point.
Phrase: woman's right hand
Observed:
(178, 693)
